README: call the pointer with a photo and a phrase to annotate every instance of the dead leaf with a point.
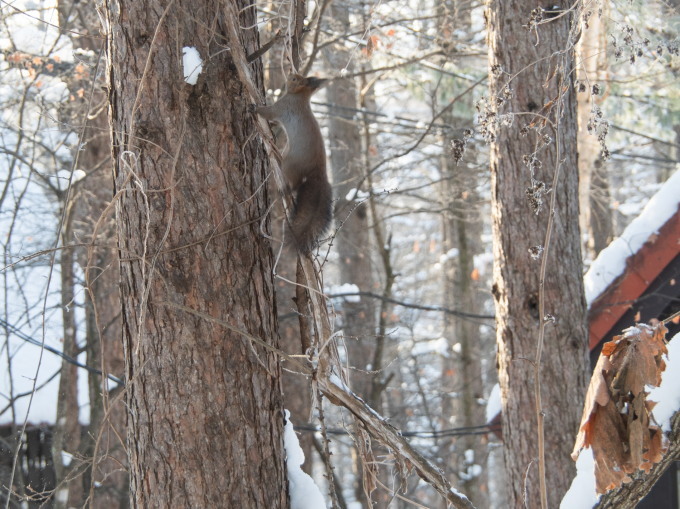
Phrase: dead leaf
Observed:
(617, 422)
(371, 45)
(15, 57)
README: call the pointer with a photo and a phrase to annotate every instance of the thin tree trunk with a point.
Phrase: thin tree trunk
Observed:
(103, 344)
(205, 404)
(596, 218)
(461, 379)
(66, 438)
(536, 65)
(352, 239)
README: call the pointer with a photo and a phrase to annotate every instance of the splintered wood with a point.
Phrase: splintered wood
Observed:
(617, 422)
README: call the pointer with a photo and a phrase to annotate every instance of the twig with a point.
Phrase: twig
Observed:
(326, 456)
(411, 305)
(264, 48)
(540, 416)
(671, 318)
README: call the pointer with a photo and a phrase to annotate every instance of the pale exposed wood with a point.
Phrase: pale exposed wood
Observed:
(628, 495)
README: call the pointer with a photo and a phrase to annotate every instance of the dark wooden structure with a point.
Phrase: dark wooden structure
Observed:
(34, 477)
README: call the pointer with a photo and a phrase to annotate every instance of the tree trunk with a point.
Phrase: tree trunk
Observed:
(462, 380)
(66, 439)
(462, 226)
(352, 238)
(205, 405)
(537, 66)
(103, 346)
(594, 196)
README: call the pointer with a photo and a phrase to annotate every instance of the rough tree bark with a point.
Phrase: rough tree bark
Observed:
(536, 65)
(205, 415)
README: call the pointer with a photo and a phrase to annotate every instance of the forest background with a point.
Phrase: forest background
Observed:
(459, 133)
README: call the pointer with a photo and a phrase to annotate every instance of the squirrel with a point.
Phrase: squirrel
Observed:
(304, 160)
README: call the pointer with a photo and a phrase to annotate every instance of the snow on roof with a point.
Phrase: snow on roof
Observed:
(611, 262)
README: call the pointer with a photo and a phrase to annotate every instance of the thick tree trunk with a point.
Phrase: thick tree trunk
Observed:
(537, 66)
(205, 407)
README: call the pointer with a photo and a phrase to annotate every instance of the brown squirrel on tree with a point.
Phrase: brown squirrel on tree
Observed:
(304, 160)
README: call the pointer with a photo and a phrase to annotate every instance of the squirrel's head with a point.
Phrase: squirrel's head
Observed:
(297, 84)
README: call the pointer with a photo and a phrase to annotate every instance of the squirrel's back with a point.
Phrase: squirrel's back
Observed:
(313, 211)
(304, 161)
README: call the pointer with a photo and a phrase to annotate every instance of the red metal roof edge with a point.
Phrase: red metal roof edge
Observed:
(642, 268)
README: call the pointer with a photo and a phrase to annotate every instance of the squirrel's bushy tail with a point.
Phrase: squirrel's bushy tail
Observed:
(313, 212)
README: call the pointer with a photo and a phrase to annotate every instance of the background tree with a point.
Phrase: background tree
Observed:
(594, 194)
